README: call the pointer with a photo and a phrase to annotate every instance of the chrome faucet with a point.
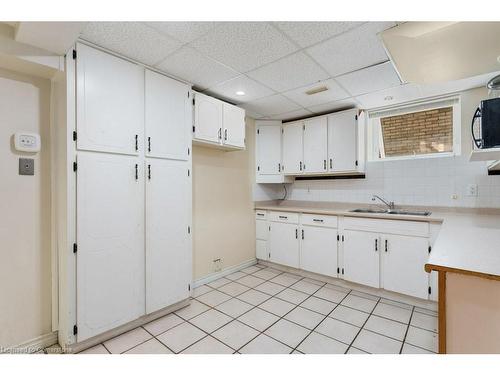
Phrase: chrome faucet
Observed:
(388, 204)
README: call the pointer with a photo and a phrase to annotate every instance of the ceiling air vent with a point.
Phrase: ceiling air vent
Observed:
(317, 90)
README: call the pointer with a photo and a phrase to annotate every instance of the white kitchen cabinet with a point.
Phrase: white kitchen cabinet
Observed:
(318, 250)
(110, 233)
(403, 260)
(343, 141)
(233, 121)
(293, 134)
(109, 102)
(315, 145)
(168, 120)
(168, 239)
(361, 254)
(261, 251)
(284, 244)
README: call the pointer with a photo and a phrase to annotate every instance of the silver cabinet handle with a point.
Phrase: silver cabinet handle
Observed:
(283, 217)
(300, 165)
(324, 164)
(376, 244)
(318, 220)
(149, 171)
(136, 142)
(136, 172)
(225, 134)
(220, 133)
(149, 144)
(386, 246)
(331, 163)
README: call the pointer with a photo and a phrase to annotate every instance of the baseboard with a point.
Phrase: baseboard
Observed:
(33, 345)
(224, 272)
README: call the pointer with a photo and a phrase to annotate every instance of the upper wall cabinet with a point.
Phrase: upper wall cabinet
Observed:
(293, 135)
(218, 124)
(343, 145)
(168, 117)
(110, 102)
(315, 145)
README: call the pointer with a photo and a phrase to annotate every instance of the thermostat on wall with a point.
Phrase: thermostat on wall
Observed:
(27, 142)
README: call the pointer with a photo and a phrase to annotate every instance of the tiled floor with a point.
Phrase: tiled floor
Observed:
(263, 310)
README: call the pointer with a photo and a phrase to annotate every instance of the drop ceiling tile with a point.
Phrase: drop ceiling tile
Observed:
(271, 105)
(334, 106)
(290, 72)
(352, 50)
(183, 31)
(334, 92)
(309, 33)
(399, 94)
(192, 66)
(373, 78)
(131, 39)
(244, 45)
(253, 114)
(291, 115)
(253, 90)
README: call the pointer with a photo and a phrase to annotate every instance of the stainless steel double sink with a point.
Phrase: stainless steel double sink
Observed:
(391, 212)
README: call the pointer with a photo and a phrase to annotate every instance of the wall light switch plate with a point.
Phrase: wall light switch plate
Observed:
(27, 142)
(472, 190)
(26, 167)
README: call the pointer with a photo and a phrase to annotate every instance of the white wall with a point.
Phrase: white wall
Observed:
(428, 182)
(25, 258)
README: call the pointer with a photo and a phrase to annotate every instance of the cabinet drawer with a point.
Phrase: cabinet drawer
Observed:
(409, 228)
(261, 214)
(261, 229)
(284, 217)
(319, 220)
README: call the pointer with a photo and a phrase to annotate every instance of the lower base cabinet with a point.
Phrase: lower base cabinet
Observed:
(261, 250)
(362, 257)
(284, 244)
(318, 250)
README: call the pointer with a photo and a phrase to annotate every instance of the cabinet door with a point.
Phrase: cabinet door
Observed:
(269, 149)
(168, 117)
(292, 148)
(342, 141)
(361, 258)
(109, 102)
(110, 236)
(403, 260)
(234, 125)
(284, 244)
(261, 250)
(207, 119)
(168, 245)
(315, 145)
(318, 250)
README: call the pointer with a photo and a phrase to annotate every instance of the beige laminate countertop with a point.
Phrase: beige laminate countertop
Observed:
(468, 241)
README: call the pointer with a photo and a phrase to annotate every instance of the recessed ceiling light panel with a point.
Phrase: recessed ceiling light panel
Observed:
(240, 93)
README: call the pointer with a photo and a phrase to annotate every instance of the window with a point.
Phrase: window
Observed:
(416, 131)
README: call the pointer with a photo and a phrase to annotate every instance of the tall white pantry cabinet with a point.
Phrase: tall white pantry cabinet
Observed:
(130, 194)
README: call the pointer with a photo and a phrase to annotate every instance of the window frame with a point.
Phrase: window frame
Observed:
(411, 107)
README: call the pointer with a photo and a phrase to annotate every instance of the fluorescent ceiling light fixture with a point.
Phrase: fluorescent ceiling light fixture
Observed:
(240, 93)
(316, 90)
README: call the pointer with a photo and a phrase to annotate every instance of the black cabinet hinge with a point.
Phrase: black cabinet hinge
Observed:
(74, 54)
(193, 101)
(342, 271)
(342, 238)
(189, 173)
(430, 290)
(75, 248)
(188, 94)
(258, 131)
(75, 166)
(338, 239)
(189, 229)
(74, 136)
(356, 117)
(75, 330)
(356, 163)
(189, 151)
(258, 168)
(189, 287)
(194, 128)
(269, 228)
(338, 269)
(430, 248)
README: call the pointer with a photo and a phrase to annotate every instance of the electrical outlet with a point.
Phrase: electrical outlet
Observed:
(472, 190)
(217, 265)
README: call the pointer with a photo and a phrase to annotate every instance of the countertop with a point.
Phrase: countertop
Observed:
(468, 241)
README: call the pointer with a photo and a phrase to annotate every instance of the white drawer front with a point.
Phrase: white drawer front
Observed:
(409, 228)
(261, 214)
(261, 229)
(284, 217)
(319, 220)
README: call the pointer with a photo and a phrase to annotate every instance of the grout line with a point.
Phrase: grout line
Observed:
(355, 337)
(407, 329)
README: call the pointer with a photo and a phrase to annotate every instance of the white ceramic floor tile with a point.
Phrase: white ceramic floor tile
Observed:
(374, 343)
(208, 345)
(364, 295)
(270, 288)
(338, 330)
(353, 350)
(127, 340)
(348, 315)
(152, 346)
(304, 317)
(258, 319)
(393, 312)
(98, 349)
(320, 344)
(410, 349)
(233, 289)
(359, 303)
(263, 344)
(319, 305)
(422, 338)
(306, 287)
(314, 281)
(192, 310)
(235, 275)
(292, 296)
(235, 334)
(287, 332)
(340, 288)
(163, 324)
(201, 290)
(213, 298)
(219, 282)
(234, 307)
(396, 303)
(181, 336)
(277, 306)
(330, 294)
(284, 279)
(424, 321)
(266, 274)
(253, 297)
(251, 269)
(426, 311)
(210, 320)
(250, 281)
(386, 327)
